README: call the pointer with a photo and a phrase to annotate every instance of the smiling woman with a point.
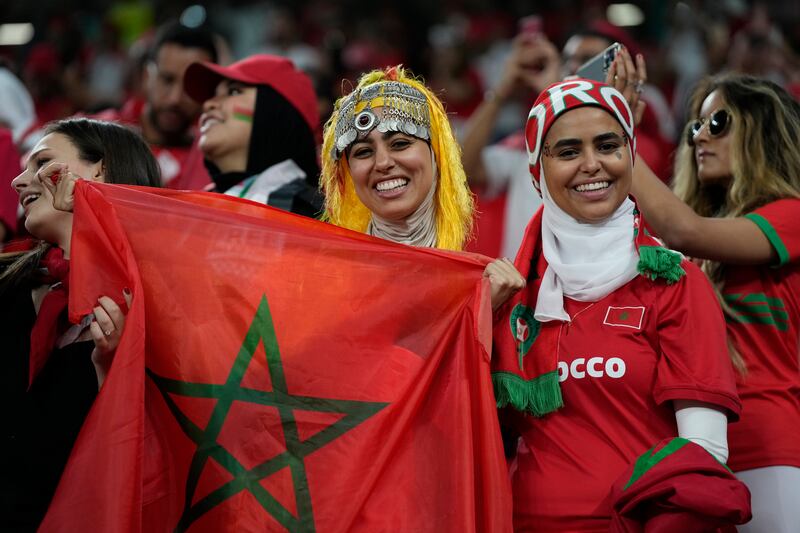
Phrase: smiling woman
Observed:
(391, 166)
(589, 176)
(601, 289)
(51, 369)
(257, 131)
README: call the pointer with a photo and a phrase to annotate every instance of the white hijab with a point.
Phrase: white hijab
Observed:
(586, 262)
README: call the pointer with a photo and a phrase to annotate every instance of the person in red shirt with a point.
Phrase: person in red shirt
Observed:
(167, 118)
(615, 344)
(736, 209)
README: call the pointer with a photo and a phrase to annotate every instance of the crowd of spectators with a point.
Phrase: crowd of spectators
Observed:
(94, 60)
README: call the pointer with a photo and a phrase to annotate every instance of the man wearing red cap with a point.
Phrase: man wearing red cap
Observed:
(257, 131)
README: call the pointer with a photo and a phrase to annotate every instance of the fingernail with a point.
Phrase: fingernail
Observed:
(55, 176)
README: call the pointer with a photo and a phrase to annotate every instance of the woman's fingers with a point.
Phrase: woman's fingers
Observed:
(630, 89)
(113, 311)
(106, 330)
(109, 321)
(641, 69)
(65, 193)
(50, 175)
(102, 319)
(629, 77)
(60, 181)
(611, 76)
(504, 280)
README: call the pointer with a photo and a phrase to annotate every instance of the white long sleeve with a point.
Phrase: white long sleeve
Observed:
(704, 425)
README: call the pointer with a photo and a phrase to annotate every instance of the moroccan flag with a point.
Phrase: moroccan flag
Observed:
(279, 374)
(626, 317)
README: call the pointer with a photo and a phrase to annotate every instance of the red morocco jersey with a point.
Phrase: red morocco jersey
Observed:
(621, 362)
(766, 331)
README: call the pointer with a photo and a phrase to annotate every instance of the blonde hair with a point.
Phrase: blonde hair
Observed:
(765, 160)
(454, 203)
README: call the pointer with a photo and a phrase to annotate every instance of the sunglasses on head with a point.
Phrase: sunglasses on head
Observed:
(718, 124)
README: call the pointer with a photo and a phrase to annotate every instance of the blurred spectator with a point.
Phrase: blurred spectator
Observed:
(502, 168)
(284, 40)
(42, 75)
(17, 116)
(106, 70)
(757, 49)
(17, 111)
(451, 75)
(168, 116)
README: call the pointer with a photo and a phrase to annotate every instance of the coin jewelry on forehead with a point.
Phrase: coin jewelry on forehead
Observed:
(404, 109)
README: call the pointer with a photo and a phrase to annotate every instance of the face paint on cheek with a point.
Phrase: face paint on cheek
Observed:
(243, 114)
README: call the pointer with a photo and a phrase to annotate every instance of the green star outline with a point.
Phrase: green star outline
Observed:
(261, 329)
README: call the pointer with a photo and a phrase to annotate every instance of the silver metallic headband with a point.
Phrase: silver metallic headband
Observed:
(405, 109)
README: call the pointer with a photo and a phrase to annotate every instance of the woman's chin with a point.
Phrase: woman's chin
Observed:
(49, 228)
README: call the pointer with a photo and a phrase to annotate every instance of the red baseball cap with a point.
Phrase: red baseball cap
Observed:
(201, 80)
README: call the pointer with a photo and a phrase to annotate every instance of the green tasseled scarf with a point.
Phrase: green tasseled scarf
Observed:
(658, 262)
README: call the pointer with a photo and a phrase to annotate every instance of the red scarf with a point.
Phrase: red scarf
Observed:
(525, 351)
(51, 321)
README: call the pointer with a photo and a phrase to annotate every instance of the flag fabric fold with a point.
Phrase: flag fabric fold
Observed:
(279, 374)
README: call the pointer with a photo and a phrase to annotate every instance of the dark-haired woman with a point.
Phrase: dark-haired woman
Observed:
(52, 369)
(257, 131)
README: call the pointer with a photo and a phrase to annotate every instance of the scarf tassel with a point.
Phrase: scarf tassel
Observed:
(659, 262)
(538, 396)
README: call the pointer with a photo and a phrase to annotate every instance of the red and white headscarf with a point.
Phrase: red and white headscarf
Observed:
(561, 256)
(585, 261)
(565, 96)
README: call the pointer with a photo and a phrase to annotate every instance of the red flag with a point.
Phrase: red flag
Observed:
(279, 374)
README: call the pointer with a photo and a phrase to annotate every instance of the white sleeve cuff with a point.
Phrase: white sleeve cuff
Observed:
(704, 425)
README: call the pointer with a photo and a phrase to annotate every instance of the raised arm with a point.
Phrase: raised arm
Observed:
(736, 240)
(533, 64)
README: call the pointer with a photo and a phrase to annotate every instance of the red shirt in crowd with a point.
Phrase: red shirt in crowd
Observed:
(621, 362)
(766, 331)
(9, 169)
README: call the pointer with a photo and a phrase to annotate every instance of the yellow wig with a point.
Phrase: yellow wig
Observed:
(453, 200)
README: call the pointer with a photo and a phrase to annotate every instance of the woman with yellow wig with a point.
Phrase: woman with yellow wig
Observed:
(391, 168)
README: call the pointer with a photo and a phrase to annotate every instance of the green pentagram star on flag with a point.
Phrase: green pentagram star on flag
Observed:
(248, 479)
